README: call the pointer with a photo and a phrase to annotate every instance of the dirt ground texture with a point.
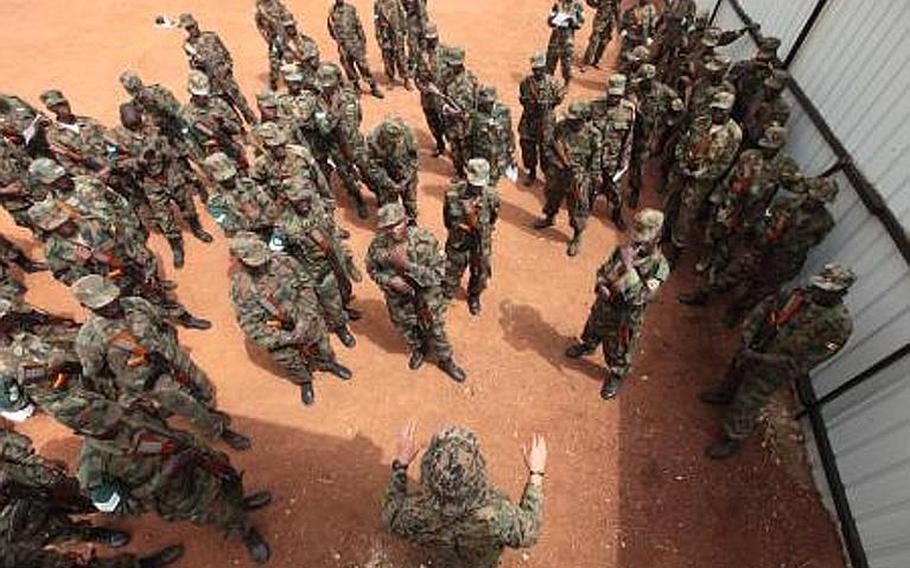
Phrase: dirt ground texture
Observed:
(626, 485)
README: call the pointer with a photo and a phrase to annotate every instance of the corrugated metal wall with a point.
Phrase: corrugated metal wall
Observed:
(855, 66)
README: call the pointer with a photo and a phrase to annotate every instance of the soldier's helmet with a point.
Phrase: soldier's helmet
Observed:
(291, 73)
(578, 110)
(774, 137)
(271, 134)
(455, 56)
(616, 84)
(250, 249)
(453, 471)
(198, 84)
(94, 291)
(187, 21)
(646, 225)
(639, 54)
(297, 192)
(267, 99)
(834, 277)
(328, 75)
(390, 215)
(52, 97)
(711, 37)
(478, 172)
(48, 214)
(539, 60)
(130, 81)
(45, 171)
(823, 189)
(431, 32)
(646, 72)
(723, 100)
(718, 64)
(777, 80)
(392, 128)
(220, 167)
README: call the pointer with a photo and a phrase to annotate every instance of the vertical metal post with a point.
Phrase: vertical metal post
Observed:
(804, 33)
(714, 12)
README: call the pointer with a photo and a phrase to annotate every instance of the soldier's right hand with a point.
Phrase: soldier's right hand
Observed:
(398, 284)
(536, 456)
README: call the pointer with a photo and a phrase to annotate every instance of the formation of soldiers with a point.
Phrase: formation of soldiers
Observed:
(92, 195)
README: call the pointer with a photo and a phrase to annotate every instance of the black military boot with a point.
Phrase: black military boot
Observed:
(198, 231)
(256, 501)
(345, 336)
(236, 441)
(579, 350)
(29, 265)
(440, 148)
(611, 387)
(474, 305)
(718, 395)
(339, 370)
(696, 298)
(189, 321)
(307, 394)
(376, 91)
(543, 222)
(256, 546)
(416, 359)
(162, 558)
(353, 313)
(452, 369)
(723, 449)
(177, 250)
(108, 537)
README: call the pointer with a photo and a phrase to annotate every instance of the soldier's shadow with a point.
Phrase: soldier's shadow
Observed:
(377, 328)
(523, 219)
(327, 498)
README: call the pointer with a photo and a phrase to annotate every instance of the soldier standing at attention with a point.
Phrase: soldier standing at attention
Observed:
(470, 213)
(606, 15)
(347, 31)
(490, 135)
(565, 17)
(784, 338)
(212, 121)
(626, 283)
(456, 515)
(404, 261)
(461, 95)
(539, 95)
(418, 30)
(269, 17)
(614, 117)
(429, 77)
(392, 37)
(575, 158)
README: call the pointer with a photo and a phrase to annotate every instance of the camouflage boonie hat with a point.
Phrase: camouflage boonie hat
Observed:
(328, 75)
(187, 21)
(130, 81)
(640, 54)
(220, 167)
(823, 189)
(487, 94)
(94, 291)
(271, 134)
(539, 60)
(578, 110)
(310, 51)
(646, 225)
(455, 56)
(777, 80)
(392, 126)
(198, 84)
(478, 172)
(52, 97)
(250, 249)
(616, 84)
(390, 215)
(774, 137)
(431, 32)
(723, 100)
(45, 170)
(711, 37)
(834, 277)
(453, 470)
(267, 99)
(291, 73)
(645, 72)
(48, 214)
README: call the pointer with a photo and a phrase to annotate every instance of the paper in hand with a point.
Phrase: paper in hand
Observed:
(512, 173)
(562, 19)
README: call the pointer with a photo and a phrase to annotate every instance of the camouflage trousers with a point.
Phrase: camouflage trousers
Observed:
(751, 382)
(601, 34)
(435, 121)
(416, 46)
(36, 521)
(693, 198)
(534, 134)
(300, 360)
(561, 50)
(161, 196)
(353, 57)
(225, 85)
(616, 326)
(421, 331)
(394, 56)
(754, 275)
(187, 398)
(328, 291)
(407, 197)
(19, 554)
(563, 186)
(459, 259)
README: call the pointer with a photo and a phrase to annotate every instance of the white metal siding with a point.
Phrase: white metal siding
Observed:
(855, 66)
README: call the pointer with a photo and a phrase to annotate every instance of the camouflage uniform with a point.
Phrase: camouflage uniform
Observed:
(16, 194)
(394, 164)
(79, 144)
(419, 316)
(784, 338)
(626, 284)
(749, 75)
(270, 16)
(768, 110)
(614, 118)
(418, 22)
(392, 36)
(160, 108)
(207, 53)
(238, 203)
(461, 92)
(470, 213)
(605, 15)
(347, 31)
(456, 515)
(429, 76)
(212, 121)
(565, 17)
(707, 87)
(575, 159)
(638, 25)
(490, 134)
(539, 95)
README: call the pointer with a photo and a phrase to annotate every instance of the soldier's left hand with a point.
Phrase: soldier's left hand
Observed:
(407, 447)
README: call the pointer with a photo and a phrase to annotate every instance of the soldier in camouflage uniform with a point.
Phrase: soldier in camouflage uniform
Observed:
(269, 17)
(429, 78)
(418, 30)
(770, 109)
(460, 100)
(456, 515)
(626, 283)
(213, 122)
(785, 337)
(347, 31)
(703, 157)
(639, 24)
(392, 36)
(394, 164)
(19, 317)
(297, 106)
(614, 118)
(566, 16)
(539, 95)
(238, 203)
(12, 288)
(302, 50)
(20, 138)
(490, 135)
(279, 311)
(606, 15)
(125, 340)
(470, 212)
(749, 75)
(206, 53)
(79, 143)
(404, 261)
(575, 158)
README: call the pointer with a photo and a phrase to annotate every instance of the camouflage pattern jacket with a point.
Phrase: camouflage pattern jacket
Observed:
(655, 107)
(244, 207)
(391, 21)
(426, 264)
(616, 126)
(632, 287)
(209, 54)
(471, 221)
(345, 27)
(708, 150)
(491, 138)
(80, 147)
(392, 165)
(298, 167)
(576, 151)
(749, 188)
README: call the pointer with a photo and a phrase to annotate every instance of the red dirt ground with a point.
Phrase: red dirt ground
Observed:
(627, 485)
